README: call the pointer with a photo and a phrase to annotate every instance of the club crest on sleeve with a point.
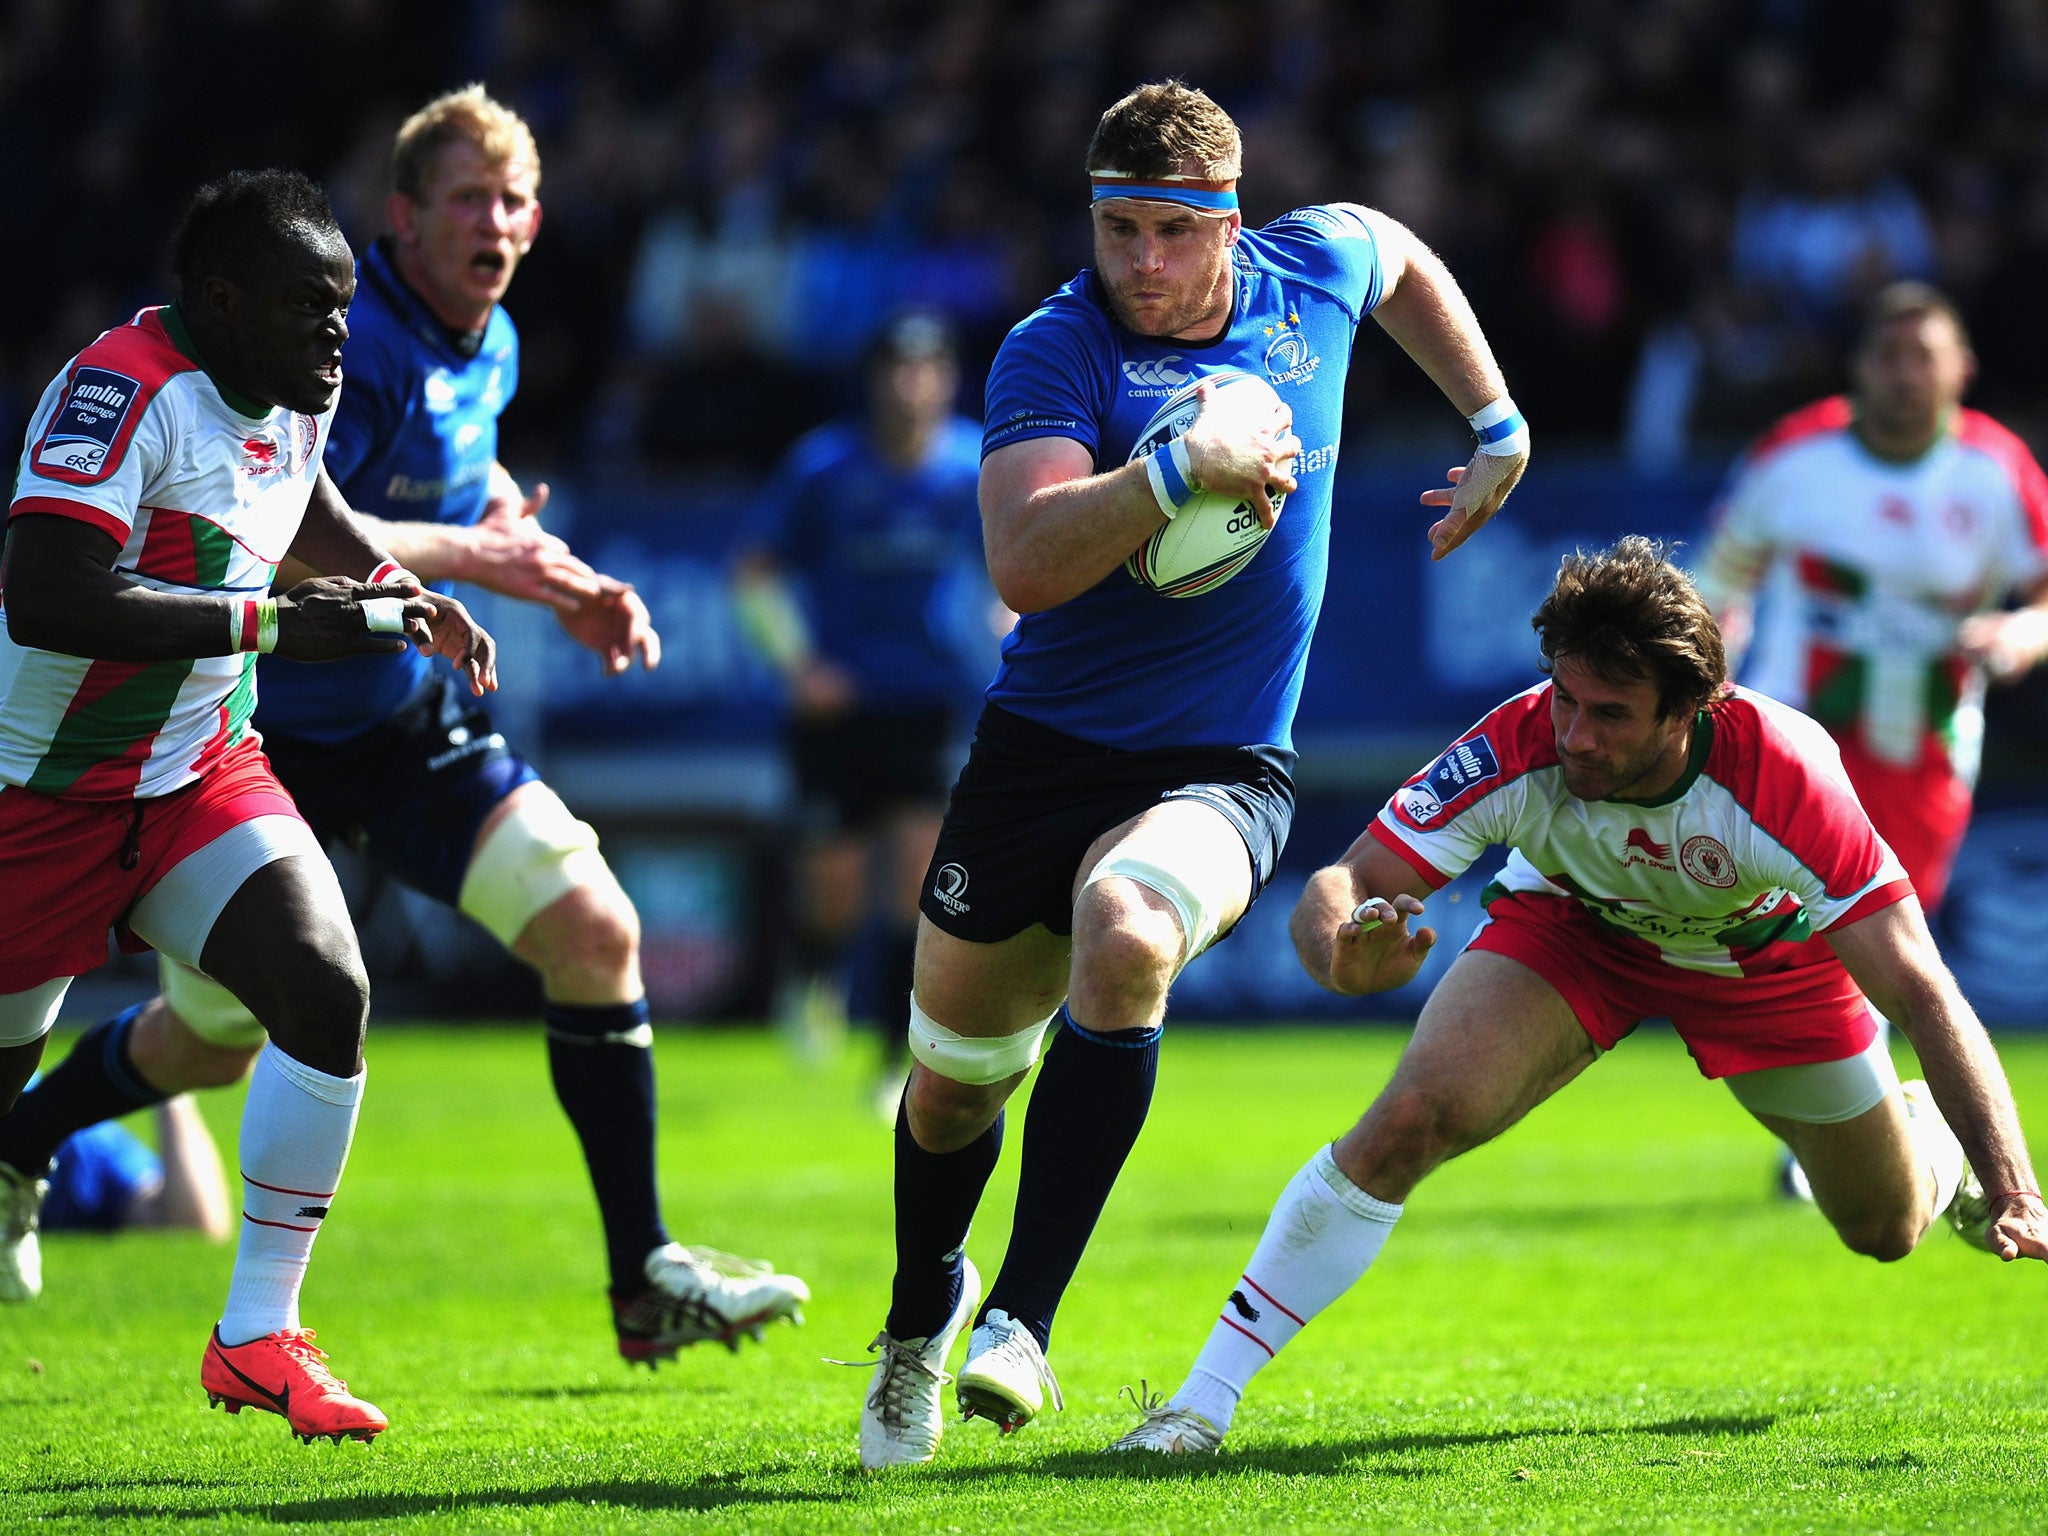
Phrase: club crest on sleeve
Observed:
(78, 444)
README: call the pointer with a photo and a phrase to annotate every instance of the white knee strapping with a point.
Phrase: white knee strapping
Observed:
(533, 858)
(1196, 911)
(968, 1060)
(27, 1016)
(207, 1008)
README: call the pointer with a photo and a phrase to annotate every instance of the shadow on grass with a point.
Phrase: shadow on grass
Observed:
(718, 1491)
(1335, 1458)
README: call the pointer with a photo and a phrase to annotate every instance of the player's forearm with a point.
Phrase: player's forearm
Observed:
(1969, 1085)
(1060, 540)
(115, 620)
(431, 551)
(194, 1192)
(335, 541)
(1326, 902)
(1427, 314)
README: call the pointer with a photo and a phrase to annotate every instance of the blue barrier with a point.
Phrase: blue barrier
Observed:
(1408, 653)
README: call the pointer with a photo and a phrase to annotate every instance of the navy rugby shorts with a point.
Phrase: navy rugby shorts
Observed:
(410, 793)
(1031, 800)
(853, 769)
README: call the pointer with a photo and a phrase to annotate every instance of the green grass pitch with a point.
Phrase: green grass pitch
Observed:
(1599, 1323)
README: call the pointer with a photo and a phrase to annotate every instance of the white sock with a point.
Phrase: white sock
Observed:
(1323, 1235)
(296, 1129)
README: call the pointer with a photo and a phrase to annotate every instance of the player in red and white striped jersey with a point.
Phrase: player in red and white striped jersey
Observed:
(169, 469)
(1678, 849)
(1884, 530)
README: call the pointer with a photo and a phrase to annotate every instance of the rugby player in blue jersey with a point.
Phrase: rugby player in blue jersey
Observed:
(858, 542)
(391, 757)
(1129, 785)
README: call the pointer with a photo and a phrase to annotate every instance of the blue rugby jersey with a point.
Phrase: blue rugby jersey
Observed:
(1121, 665)
(100, 1170)
(414, 439)
(873, 548)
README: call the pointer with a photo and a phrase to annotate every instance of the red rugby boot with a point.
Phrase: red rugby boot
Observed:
(281, 1373)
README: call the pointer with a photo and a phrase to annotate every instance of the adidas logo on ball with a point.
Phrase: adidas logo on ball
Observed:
(1211, 538)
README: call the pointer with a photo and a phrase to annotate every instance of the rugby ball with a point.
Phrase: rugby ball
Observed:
(1212, 538)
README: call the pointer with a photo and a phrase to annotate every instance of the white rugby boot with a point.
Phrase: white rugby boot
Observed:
(695, 1294)
(901, 1419)
(1005, 1378)
(21, 1250)
(1168, 1430)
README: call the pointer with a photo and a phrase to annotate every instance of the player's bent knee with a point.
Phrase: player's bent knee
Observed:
(965, 1059)
(1195, 908)
(210, 1013)
(536, 854)
(1886, 1238)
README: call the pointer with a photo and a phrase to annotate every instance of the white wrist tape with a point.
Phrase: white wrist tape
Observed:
(1501, 429)
(1171, 475)
(384, 615)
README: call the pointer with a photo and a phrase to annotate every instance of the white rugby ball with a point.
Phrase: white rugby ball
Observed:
(1212, 538)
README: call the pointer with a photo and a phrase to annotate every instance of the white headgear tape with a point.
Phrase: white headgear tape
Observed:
(968, 1060)
(1197, 914)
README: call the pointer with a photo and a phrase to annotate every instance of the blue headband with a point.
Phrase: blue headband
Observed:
(1193, 191)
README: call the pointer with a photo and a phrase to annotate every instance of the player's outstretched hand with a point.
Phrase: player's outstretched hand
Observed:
(2005, 644)
(1238, 448)
(1374, 951)
(511, 554)
(466, 644)
(1473, 496)
(2021, 1230)
(615, 624)
(329, 617)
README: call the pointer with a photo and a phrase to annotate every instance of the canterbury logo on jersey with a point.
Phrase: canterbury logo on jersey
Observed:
(1164, 371)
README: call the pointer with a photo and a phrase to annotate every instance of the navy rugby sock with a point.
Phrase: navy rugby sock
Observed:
(936, 1193)
(602, 1060)
(96, 1082)
(880, 993)
(1090, 1103)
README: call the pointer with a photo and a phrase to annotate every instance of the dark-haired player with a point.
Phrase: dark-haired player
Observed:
(169, 470)
(1130, 782)
(858, 539)
(383, 752)
(1676, 848)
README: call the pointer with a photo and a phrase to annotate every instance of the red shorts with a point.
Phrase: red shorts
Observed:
(71, 869)
(1921, 812)
(1789, 1018)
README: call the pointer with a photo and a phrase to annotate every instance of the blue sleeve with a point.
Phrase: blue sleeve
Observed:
(1332, 246)
(99, 1173)
(372, 406)
(1049, 379)
(781, 517)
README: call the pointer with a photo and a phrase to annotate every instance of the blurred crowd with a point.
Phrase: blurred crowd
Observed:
(1665, 211)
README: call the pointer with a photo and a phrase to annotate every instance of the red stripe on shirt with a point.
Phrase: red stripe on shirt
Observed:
(57, 506)
(1976, 430)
